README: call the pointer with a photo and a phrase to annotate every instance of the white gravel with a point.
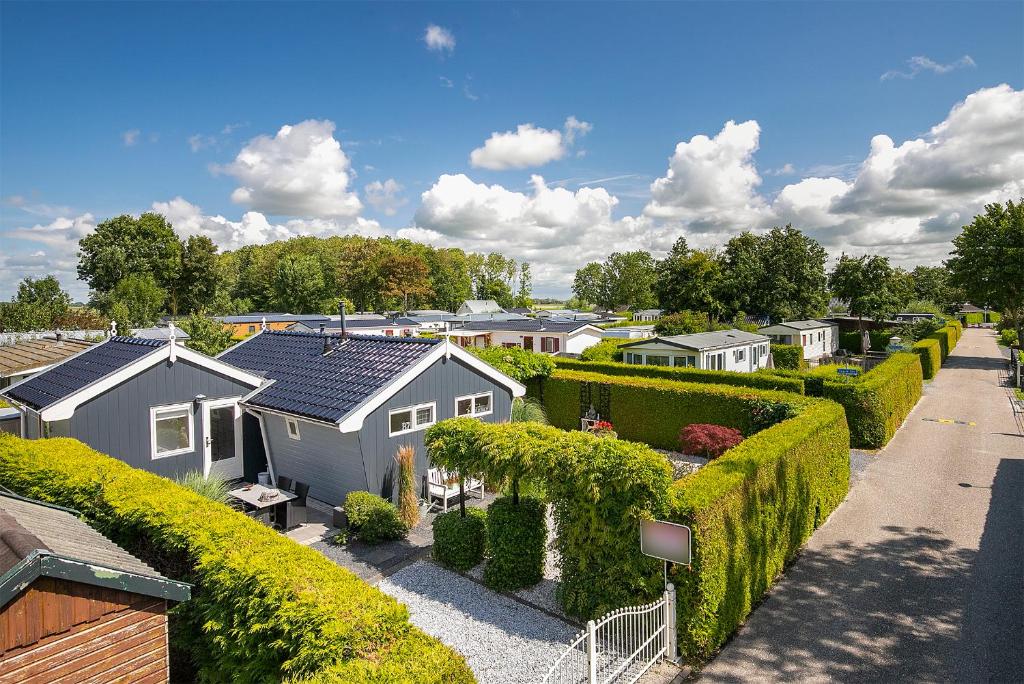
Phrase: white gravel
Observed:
(502, 640)
(683, 464)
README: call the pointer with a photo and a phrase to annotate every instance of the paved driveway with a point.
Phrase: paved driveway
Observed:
(918, 575)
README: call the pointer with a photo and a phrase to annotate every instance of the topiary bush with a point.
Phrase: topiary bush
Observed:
(264, 608)
(459, 542)
(787, 356)
(373, 518)
(733, 378)
(709, 441)
(517, 537)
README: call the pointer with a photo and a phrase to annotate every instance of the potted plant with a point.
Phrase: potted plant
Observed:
(603, 428)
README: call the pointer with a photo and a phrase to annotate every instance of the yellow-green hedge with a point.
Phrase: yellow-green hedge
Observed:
(750, 511)
(787, 356)
(653, 410)
(715, 377)
(930, 352)
(264, 608)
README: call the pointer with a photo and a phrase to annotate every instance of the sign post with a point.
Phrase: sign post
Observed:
(666, 541)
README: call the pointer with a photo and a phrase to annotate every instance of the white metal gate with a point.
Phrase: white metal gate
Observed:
(620, 646)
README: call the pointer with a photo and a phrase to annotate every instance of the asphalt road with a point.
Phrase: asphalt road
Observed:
(919, 574)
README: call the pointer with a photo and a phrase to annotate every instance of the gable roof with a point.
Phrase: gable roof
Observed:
(706, 340)
(343, 385)
(29, 354)
(480, 306)
(529, 325)
(809, 324)
(38, 539)
(59, 390)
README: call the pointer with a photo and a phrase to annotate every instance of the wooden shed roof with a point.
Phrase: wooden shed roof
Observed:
(29, 354)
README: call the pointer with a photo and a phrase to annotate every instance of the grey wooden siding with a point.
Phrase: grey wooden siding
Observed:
(11, 424)
(117, 421)
(442, 383)
(327, 460)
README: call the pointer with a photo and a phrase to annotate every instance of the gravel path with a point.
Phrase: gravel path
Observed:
(503, 641)
(683, 464)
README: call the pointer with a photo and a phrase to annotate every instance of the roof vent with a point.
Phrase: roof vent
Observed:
(341, 319)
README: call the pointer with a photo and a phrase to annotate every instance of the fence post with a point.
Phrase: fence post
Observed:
(671, 637)
(592, 652)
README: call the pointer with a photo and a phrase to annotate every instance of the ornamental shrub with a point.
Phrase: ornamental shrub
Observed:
(931, 356)
(459, 542)
(408, 502)
(517, 537)
(653, 410)
(710, 441)
(1008, 337)
(605, 350)
(373, 518)
(756, 380)
(264, 607)
(787, 356)
(750, 512)
(515, 362)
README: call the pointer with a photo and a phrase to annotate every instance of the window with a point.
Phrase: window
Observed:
(293, 428)
(171, 430)
(474, 405)
(716, 361)
(684, 361)
(738, 355)
(657, 360)
(411, 419)
(549, 345)
(509, 345)
(252, 329)
(636, 359)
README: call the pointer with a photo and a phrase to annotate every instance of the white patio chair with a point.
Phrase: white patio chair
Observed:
(439, 488)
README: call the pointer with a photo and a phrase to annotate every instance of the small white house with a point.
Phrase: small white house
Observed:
(647, 315)
(818, 338)
(629, 332)
(547, 337)
(480, 306)
(731, 350)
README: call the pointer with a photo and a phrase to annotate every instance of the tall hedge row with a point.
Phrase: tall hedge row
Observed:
(750, 511)
(787, 356)
(757, 381)
(877, 402)
(930, 352)
(264, 608)
(653, 410)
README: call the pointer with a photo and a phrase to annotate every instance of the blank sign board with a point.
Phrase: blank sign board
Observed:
(665, 540)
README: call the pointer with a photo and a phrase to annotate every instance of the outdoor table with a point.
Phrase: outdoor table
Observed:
(251, 496)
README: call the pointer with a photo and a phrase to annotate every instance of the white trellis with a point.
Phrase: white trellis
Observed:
(620, 646)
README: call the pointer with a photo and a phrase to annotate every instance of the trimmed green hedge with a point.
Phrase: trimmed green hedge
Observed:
(930, 352)
(653, 410)
(460, 542)
(605, 350)
(264, 608)
(750, 512)
(733, 378)
(515, 362)
(978, 318)
(517, 538)
(877, 402)
(373, 518)
(787, 356)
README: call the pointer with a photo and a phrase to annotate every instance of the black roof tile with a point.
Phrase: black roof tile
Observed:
(97, 362)
(322, 386)
(528, 325)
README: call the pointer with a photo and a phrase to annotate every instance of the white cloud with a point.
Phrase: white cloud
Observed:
(786, 169)
(198, 141)
(301, 171)
(131, 138)
(527, 146)
(920, 63)
(439, 39)
(385, 196)
(711, 183)
(446, 82)
(44, 249)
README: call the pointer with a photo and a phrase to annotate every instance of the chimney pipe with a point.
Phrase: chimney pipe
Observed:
(327, 340)
(341, 319)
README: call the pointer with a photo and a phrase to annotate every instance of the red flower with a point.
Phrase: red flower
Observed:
(603, 426)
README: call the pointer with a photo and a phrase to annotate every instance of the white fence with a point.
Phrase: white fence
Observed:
(620, 646)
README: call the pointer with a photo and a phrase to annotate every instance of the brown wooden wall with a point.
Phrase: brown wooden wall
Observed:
(58, 631)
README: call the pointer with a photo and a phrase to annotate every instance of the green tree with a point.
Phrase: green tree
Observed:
(124, 246)
(205, 334)
(589, 285)
(449, 278)
(525, 287)
(405, 277)
(873, 287)
(630, 278)
(199, 275)
(933, 284)
(689, 280)
(299, 285)
(136, 301)
(987, 261)
(40, 304)
(683, 323)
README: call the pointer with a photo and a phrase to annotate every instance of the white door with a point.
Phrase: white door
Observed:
(222, 436)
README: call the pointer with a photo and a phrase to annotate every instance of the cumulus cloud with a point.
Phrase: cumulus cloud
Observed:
(44, 249)
(711, 183)
(385, 196)
(131, 138)
(920, 63)
(198, 141)
(439, 39)
(527, 146)
(301, 171)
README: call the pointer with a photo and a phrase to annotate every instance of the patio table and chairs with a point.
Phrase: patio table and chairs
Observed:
(270, 505)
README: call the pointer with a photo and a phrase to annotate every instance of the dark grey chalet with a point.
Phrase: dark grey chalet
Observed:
(151, 403)
(338, 407)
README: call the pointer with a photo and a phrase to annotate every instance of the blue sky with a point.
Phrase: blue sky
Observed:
(109, 108)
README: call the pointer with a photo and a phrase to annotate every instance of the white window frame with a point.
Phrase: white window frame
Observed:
(289, 424)
(416, 425)
(153, 411)
(473, 413)
(739, 355)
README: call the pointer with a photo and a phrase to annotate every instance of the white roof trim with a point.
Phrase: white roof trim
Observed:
(53, 365)
(65, 408)
(354, 420)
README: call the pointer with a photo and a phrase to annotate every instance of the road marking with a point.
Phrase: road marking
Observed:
(950, 421)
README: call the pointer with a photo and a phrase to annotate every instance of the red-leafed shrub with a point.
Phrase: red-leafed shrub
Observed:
(711, 441)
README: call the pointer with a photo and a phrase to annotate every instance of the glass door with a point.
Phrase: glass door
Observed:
(222, 433)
